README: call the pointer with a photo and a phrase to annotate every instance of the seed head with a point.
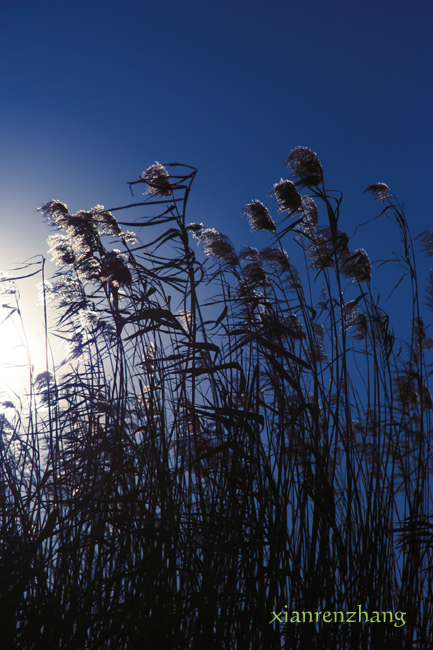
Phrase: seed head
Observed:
(157, 179)
(279, 259)
(361, 326)
(295, 327)
(114, 269)
(258, 216)
(379, 191)
(45, 293)
(305, 167)
(318, 347)
(249, 253)
(129, 237)
(288, 197)
(60, 250)
(311, 217)
(82, 231)
(427, 242)
(7, 285)
(55, 212)
(357, 266)
(217, 245)
(254, 274)
(88, 267)
(105, 222)
(405, 390)
(194, 227)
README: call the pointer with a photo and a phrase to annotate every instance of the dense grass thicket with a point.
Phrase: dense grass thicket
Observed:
(226, 438)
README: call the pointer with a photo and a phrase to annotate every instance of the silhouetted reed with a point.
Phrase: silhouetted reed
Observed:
(225, 438)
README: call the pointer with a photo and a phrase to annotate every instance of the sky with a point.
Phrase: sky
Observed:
(94, 92)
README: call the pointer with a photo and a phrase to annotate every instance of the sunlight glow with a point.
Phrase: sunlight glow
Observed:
(18, 358)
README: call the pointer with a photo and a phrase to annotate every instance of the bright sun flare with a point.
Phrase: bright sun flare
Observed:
(16, 357)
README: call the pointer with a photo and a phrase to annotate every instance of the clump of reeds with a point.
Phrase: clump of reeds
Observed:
(206, 455)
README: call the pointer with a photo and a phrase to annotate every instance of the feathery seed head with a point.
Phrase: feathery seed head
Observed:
(60, 250)
(379, 191)
(217, 245)
(82, 231)
(105, 222)
(185, 318)
(157, 179)
(149, 362)
(405, 389)
(258, 216)
(7, 286)
(295, 327)
(45, 293)
(420, 338)
(5, 404)
(319, 331)
(361, 325)
(350, 315)
(55, 212)
(324, 246)
(87, 319)
(129, 237)
(318, 345)
(254, 274)
(75, 348)
(311, 217)
(68, 290)
(427, 242)
(425, 396)
(88, 267)
(287, 196)
(114, 268)
(319, 250)
(249, 253)
(278, 326)
(248, 295)
(43, 379)
(357, 266)
(305, 167)
(279, 259)
(45, 386)
(194, 227)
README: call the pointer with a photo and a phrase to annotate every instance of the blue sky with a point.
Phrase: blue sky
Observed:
(94, 92)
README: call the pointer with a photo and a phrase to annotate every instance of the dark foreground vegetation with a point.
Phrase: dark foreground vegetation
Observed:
(225, 440)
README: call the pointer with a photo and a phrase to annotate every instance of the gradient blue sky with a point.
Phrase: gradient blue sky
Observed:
(94, 92)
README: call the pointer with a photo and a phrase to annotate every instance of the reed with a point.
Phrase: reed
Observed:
(230, 434)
